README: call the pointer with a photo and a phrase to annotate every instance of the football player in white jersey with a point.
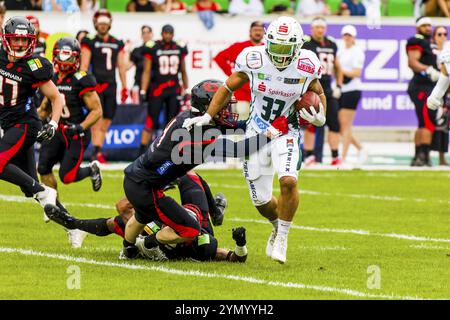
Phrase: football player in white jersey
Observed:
(435, 100)
(279, 73)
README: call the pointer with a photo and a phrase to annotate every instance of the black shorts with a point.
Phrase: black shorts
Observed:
(350, 100)
(66, 150)
(332, 120)
(426, 117)
(152, 204)
(108, 99)
(168, 102)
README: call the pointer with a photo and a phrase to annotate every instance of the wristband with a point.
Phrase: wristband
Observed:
(53, 123)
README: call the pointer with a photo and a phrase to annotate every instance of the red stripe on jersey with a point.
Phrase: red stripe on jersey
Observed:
(187, 143)
(38, 84)
(194, 177)
(72, 174)
(414, 47)
(85, 46)
(87, 90)
(6, 155)
(426, 117)
(148, 56)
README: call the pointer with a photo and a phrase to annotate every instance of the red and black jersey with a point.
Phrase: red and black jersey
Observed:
(72, 87)
(326, 52)
(427, 57)
(104, 56)
(166, 65)
(18, 83)
(40, 47)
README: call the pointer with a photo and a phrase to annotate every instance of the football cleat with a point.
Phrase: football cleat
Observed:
(239, 236)
(279, 249)
(363, 156)
(336, 161)
(310, 160)
(100, 157)
(270, 242)
(76, 237)
(96, 175)
(128, 253)
(221, 204)
(154, 254)
(60, 217)
(44, 197)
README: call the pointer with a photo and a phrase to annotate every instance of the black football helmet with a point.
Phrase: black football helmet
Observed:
(19, 27)
(66, 54)
(201, 96)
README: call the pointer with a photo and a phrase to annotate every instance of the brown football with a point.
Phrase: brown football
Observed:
(308, 99)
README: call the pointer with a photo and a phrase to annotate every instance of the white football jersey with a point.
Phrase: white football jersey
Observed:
(444, 57)
(274, 92)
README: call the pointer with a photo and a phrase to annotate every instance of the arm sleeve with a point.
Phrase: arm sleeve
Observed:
(229, 149)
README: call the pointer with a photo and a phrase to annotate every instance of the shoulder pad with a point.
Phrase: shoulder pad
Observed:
(34, 64)
(332, 39)
(90, 36)
(306, 38)
(181, 43)
(419, 36)
(80, 74)
(150, 44)
(254, 59)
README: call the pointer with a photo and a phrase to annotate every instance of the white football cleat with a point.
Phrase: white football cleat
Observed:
(279, 249)
(269, 246)
(46, 219)
(363, 155)
(76, 237)
(46, 196)
(155, 254)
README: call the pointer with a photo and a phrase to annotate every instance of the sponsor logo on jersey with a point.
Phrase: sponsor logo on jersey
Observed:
(264, 77)
(98, 44)
(254, 60)
(167, 52)
(289, 143)
(34, 64)
(163, 168)
(64, 88)
(305, 64)
(294, 80)
(80, 74)
(281, 93)
(10, 75)
(262, 87)
(260, 122)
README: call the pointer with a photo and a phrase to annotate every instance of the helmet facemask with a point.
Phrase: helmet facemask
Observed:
(282, 53)
(226, 117)
(18, 50)
(66, 59)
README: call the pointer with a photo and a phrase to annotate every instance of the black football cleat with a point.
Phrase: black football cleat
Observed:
(221, 204)
(239, 236)
(96, 175)
(60, 217)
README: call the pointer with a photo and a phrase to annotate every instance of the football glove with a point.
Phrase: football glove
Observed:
(129, 251)
(73, 129)
(221, 204)
(47, 132)
(434, 103)
(239, 236)
(337, 92)
(278, 127)
(197, 121)
(433, 73)
(317, 119)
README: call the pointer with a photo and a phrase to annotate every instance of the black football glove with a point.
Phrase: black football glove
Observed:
(239, 236)
(129, 251)
(73, 129)
(221, 204)
(47, 132)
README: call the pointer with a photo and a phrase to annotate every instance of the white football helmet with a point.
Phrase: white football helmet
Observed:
(283, 38)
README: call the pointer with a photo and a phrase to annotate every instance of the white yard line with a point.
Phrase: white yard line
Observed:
(197, 273)
(22, 199)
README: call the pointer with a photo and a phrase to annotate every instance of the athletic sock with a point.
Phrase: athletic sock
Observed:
(308, 153)
(15, 175)
(151, 241)
(334, 153)
(83, 173)
(97, 149)
(98, 227)
(240, 251)
(283, 227)
(275, 224)
(417, 150)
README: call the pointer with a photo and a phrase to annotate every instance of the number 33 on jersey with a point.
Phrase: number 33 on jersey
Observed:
(273, 91)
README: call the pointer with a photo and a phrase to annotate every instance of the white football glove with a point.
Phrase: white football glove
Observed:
(337, 92)
(317, 119)
(433, 73)
(198, 121)
(433, 103)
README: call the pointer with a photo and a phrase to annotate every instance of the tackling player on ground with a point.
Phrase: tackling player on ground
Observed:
(81, 109)
(21, 74)
(279, 74)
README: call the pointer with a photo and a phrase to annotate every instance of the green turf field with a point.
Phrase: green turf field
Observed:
(357, 235)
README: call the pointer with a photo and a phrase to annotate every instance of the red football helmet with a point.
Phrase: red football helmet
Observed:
(66, 55)
(19, 28)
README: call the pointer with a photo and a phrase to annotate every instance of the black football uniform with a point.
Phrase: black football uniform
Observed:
(169, 157)
(137, 57)
(63, 148)
(18, 116)
(40, 47)
(103, 67)
(420, 86)
(164, 87)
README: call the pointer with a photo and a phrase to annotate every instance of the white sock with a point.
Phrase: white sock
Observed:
(283, 227)
(240, 251)
(274, 223)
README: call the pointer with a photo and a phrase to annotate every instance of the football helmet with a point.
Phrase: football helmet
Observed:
(19, 27)
(201, 96)
(283, 40)
(66, 54)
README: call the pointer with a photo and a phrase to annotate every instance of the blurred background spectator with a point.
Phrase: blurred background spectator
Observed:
(312, 8)
(88, 6)
(142, 6)
(2, 15)
(60, 5)
(23, 4)
(175, 6)
(432, 8)
(246, 7)
(137, 55)
(41, 37)
(352, 8)
(205, 10)
(81, 34)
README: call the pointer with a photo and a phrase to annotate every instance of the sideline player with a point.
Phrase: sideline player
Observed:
(197, 199)
(21, 74)
(104, 53)
(423, 63)
(41, 37)
(172, 155)
(280, 73)
(164, 65)
(81, 109)
(326, 50)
